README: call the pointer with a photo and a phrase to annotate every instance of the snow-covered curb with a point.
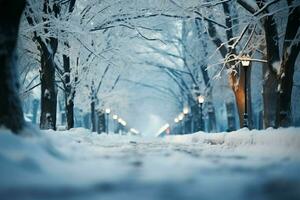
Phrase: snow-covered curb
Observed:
(273, 140)
(282, 136)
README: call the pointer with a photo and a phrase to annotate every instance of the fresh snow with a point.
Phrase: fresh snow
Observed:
(47, 94)
(78, 164)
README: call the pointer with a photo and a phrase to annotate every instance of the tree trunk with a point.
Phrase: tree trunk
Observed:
(249, 98)
(230, 116)
(239, 93)
(70, 113)
(236, 81)
(93, 116)
(69, 88)
(11, 114)
(93, 107)
(211, 117)
(35, 107)
(290, 52)
(48, 86)
(270, 84)
(284, 116)
(101, 122)
(86, 121)
(195, 111)
(269, 97)
(69, 92)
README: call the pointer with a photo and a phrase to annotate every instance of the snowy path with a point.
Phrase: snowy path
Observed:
(88, 166)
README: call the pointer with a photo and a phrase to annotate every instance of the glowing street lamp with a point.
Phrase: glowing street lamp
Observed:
(186, 110)
(200, 99)
(176, 120)
(245, 59)
(107, 110)
(180, 116)
(121, 121)
(133, 130)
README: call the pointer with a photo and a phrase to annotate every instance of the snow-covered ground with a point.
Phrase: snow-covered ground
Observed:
(79, 164)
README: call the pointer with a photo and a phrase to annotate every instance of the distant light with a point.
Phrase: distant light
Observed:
(134, 131)
(180, 116)
(107, 110)
(186, 110)
(176, 120)
(115, 117)
(162, 129)
(124, 123)
(201, 99)
(121, 121)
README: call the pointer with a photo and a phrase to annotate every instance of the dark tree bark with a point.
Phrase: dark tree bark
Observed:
(48, 86)
(93, 107)
(86, 121)
(270, 79)
(69, 92)
(249, 97)
(290, 52)
(101, 122)
(11, 114)
(69, 89)
(35, 107)
(93, 116)
(212, 117)
(196, 120)
(269, 97)
(230, 116)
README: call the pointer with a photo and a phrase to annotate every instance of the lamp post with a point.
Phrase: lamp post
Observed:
(180, 118)
(122, 124)
(176, 120)
(201, 101)
(115, 118)
(186, 111)
(245, 60)
(107, 111)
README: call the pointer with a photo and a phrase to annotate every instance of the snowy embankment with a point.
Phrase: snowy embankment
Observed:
(78, 164)
(276, 142)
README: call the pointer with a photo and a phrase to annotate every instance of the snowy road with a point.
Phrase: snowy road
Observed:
(81, 165)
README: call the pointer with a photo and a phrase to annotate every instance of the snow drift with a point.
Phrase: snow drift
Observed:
(78, 164)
